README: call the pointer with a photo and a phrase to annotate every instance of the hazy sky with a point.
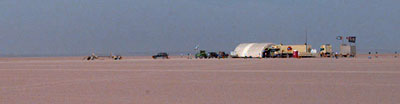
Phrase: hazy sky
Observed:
(76, 27)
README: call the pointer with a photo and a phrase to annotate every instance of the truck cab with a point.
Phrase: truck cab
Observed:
(326, 50)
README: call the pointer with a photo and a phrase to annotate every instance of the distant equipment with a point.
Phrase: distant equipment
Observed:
(326, 50)
(283, 51)
(295, 54)
(314, 51)
(290, 48)
(348, 49)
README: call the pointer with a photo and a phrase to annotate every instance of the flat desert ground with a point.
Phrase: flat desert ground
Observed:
(141, 80)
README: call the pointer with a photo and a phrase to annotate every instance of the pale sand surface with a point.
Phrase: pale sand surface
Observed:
(140, 80)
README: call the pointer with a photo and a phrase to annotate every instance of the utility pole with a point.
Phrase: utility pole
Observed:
(306, 36)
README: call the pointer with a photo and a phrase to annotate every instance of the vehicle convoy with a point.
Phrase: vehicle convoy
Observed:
(162, 55)
(283, 51)
(326, 50)
(202, 54)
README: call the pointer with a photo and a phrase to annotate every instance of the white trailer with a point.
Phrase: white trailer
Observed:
(348, 50)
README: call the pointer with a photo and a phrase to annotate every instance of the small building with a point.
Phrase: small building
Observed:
(251, 50)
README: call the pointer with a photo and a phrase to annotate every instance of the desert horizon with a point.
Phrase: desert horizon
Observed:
(199, 52)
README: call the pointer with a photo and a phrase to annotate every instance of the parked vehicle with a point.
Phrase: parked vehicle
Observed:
(326, 50)
(95, 57)
(118, 57)
(222, 54)
(202, 54)
(91, 58)
(213, 55)
(162, 55)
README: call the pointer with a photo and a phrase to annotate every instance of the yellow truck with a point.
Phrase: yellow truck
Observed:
(287, 50)
(326, 50)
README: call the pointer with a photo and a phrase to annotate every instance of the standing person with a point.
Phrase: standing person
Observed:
(336, 55)
(333, 55)
(395, 56)
(376, 54)
(369, 56)
(189, 56)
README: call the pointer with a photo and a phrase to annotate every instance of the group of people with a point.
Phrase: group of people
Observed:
(377, 56)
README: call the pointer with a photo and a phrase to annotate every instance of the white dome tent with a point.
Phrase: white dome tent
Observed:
(254, 50)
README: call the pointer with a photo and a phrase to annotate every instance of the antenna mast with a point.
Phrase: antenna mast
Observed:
(306, 40)
(306, 37)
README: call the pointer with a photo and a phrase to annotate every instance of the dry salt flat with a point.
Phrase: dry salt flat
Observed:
(141, 80)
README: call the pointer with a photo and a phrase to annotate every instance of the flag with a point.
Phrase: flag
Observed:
(352, 39)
